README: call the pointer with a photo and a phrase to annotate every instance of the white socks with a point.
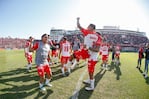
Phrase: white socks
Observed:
(40, 85)
(92, 83)
(66, 66)
(47, 81)
(63, 71)
(69, 70)
(29, 66)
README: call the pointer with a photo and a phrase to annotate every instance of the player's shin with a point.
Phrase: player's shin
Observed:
(28, 67)
(41, 85)
(63, 70)
(68, 65)
(92, 83)
(47, 82)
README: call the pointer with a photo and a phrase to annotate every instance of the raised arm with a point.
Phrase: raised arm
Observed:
(78, 23)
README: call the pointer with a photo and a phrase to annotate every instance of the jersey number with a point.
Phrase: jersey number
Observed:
(66, 48)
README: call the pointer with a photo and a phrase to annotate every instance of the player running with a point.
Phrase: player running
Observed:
(92, 41)
(65, 53)
(42, 51)
(28, 54)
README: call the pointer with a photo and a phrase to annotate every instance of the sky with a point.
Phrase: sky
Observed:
(24, 18)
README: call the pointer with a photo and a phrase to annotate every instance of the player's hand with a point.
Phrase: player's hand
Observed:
(78, 18)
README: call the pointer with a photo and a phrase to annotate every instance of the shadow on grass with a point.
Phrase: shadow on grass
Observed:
(17, 84)
(13, 72)
(83, 94)
(17, 95)
(43, 95)
(140, 71)
(146, 79)
(117, 70)
(77, 67)
(57, 74)
(55, 66)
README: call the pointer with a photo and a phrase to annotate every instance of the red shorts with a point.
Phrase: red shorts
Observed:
(29, 58)
(43, 69)
(91, 66)
(104, 57)
(54, 53)
(84, 54)
(64, 59)
(77, 54)
(117, 55)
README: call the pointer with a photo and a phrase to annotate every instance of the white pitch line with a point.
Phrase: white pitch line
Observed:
(78, 85)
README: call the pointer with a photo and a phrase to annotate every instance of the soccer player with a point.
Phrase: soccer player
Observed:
(28, 54)
(92, 41)
(146, 61)
(65, 53)
(75, 48)
(42, 51)
(117, 53)
(105, 54)
(140, 56)
(55, 51)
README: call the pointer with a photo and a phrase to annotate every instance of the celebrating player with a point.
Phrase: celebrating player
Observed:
(92, 41)
(42, 51)
(28, 54)
(65, 53)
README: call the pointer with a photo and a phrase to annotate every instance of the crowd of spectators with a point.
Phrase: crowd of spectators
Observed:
(11, 43)
(122, 39)
(126, 39)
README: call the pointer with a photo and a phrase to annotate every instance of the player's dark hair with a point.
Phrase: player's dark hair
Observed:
(93, 26)
(65, 38)
(30, 37)
(44, 35)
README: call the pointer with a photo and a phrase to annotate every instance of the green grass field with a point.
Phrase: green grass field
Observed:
(120, 82)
